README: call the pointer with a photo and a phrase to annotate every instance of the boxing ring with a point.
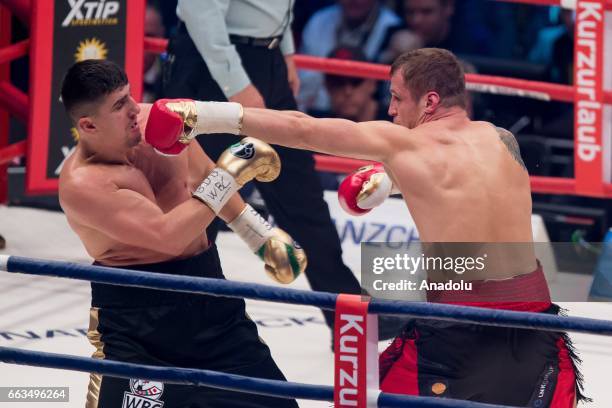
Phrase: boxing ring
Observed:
(592, 178)
(262, 292)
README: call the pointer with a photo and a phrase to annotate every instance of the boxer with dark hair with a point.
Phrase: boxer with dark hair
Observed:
(135, 208)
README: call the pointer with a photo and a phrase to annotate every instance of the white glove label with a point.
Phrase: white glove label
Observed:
(219, 117)
(216, 189)
(252, 228)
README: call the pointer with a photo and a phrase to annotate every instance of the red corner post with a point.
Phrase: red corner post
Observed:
(5, 40)
(356, 353)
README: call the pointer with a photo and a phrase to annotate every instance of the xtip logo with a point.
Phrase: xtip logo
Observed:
(87, 13)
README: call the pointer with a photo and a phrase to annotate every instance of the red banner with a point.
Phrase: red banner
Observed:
(588, 100)
(356, 353)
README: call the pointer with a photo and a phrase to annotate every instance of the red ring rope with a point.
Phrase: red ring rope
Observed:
(608, 3)
(555, 92)
(541, 185)
(14, 51)
(14, 101)
(12, 151)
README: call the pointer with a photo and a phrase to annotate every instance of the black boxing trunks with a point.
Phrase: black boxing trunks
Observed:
(166, 328)
(497, 365)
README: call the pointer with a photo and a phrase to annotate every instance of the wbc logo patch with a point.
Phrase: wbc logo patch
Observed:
(145, 394)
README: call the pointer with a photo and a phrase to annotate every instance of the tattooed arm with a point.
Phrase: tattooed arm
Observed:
(511, 144)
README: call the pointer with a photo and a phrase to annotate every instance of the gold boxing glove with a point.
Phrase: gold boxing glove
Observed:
(250, 159)
(242, 162)
(285, 260)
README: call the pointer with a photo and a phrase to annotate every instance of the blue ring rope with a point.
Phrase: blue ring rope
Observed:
(233, 382)
(180, 283)
(324, 300)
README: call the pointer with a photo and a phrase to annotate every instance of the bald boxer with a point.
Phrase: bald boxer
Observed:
(463, 181)
(135, 208)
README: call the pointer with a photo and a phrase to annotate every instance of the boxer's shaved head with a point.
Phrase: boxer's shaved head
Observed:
(432, 69)
(86, 83)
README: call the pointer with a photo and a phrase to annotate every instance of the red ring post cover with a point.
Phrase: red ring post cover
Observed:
(355, 353)
(590, 147)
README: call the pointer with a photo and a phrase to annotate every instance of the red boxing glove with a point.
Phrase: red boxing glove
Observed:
(170, 125)
(364, 189)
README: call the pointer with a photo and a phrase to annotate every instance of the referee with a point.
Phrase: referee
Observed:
(242, 51)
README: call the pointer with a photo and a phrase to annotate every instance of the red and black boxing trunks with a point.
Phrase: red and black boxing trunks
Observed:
(497, 365)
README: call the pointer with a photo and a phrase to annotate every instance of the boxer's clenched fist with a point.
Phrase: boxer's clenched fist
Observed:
(364, 189)
(285, 260)
(242, 162)
(173, 123)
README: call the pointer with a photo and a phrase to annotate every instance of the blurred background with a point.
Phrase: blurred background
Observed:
(490, 37)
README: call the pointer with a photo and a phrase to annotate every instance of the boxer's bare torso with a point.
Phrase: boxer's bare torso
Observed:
(165, 181)
(465, 182)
